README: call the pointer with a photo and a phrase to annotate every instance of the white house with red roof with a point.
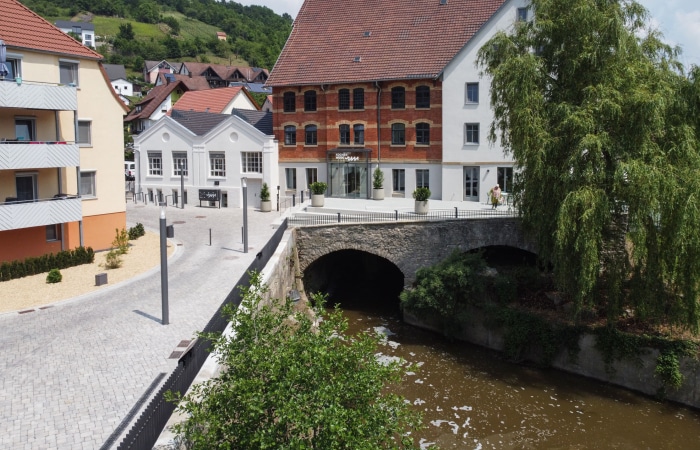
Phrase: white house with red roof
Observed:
(396, 89)
(61, 141)
(219, 101)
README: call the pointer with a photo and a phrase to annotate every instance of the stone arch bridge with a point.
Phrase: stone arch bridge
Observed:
(410, 245)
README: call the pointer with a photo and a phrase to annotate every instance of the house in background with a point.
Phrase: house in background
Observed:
(117, 76)
(210, 153)
(155, 105)
(85, 30)
(151, 69)
(61, 142)
(267, 106)
(220, 35)
(350, 98)
(219, 101)
(219, 75)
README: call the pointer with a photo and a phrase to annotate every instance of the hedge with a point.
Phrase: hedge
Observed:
(42, 264)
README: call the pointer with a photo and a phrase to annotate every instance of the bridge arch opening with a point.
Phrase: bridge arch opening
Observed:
(356, 280)
(501, 255)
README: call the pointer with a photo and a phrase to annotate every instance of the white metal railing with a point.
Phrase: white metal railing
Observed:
(16, 214)
(30, 95)
(38, 155)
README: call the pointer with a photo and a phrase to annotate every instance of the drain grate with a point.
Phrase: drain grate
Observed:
(179, 222)
(26, 311)
(200, 217)
(184, 343)
(175, 355)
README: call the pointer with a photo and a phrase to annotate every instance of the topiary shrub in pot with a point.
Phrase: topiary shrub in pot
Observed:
(318, 189)
(378, 184)
(421, 195)
(265, 203)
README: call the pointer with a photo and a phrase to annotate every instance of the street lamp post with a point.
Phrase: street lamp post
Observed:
(163, 266)
(245, 214)
(182, 185)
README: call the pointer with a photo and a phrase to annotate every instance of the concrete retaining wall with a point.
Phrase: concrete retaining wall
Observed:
(634, 375)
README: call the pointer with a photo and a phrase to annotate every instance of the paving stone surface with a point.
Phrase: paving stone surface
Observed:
(70, 374)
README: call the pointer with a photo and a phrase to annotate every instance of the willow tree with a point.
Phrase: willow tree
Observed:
(599, 117)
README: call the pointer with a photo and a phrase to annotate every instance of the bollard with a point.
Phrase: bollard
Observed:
(302, 196)
(396, 214)
(456, 216)
(209, 237)
(100, 279)
(294, 200)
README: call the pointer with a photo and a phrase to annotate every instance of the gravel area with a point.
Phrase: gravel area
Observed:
(31, 292)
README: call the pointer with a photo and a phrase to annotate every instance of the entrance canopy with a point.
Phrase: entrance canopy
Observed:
(348, 172)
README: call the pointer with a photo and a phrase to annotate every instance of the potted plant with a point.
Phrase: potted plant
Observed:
(421, 195)
(378, 184)
(318, 188)
(265, 203)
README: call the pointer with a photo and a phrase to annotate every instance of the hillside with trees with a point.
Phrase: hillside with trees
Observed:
(131, 31)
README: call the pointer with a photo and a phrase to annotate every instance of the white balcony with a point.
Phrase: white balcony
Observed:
(38, 96)
(15, 215)
(38, 155)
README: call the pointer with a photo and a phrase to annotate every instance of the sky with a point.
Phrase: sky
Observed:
(678, 20)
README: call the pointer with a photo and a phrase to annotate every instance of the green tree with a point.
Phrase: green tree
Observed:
(596, 112)
(126, 32)
(291, 381)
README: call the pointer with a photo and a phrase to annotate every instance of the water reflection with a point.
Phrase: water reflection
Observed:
(472, 399)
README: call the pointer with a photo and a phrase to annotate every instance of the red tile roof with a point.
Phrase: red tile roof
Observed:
(212, 100)
(22, 28)
(366, 40)
(224, 72)
(155, 97)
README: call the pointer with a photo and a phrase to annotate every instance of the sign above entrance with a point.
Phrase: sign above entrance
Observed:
(345, 156)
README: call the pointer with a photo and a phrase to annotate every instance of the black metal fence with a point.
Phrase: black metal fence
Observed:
(304, 219)
(151, 423)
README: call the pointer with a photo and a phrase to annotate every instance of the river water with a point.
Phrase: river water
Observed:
(472, 399)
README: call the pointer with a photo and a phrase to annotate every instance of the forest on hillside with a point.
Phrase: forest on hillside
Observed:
(131, 31)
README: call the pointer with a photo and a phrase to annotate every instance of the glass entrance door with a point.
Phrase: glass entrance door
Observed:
(348, 180)
(471, 184)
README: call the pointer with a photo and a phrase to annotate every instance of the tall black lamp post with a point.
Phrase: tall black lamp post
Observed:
(163, 266)
(244, 184)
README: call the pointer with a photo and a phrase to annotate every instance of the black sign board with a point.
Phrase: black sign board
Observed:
(212, 195)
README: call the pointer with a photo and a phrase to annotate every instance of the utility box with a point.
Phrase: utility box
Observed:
(100, 279)
(170, 231)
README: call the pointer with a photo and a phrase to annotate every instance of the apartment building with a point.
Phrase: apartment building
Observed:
(61, 141)
(396, 88)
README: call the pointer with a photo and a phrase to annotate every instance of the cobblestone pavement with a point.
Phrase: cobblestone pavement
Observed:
(71, 373)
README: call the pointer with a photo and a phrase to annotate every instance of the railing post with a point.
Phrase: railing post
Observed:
(294, 199)
(302, 196)
(456, 215)
(338, 217)
(396, 215)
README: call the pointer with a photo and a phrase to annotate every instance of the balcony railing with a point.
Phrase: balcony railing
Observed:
(25, 214)
(31, 95)
(38, 155)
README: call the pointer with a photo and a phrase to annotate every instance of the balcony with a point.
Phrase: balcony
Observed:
(15, 215)
(31, 95)
(38, 155)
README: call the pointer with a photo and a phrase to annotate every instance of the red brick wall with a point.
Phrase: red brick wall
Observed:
(328, 117)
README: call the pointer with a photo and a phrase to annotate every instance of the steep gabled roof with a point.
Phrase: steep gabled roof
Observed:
(367, 40)
(212, 100)
(115, 71)
(200, 123)
(155, 97)
(259, 119)
(22, 28)
(193, 83)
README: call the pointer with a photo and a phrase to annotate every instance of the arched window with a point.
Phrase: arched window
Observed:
(422, 97)
(398, 134)
(290, 102)
(345, 134)
(358, 98)
(344, 99)
(310, 133)
(310, 101)
(290, 135)
(398, 97)
(359, 131)
(422, 133)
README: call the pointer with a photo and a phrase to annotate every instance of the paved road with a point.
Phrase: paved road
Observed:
(71, 373)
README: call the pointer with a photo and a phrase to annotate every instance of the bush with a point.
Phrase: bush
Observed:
(113, 259)
(378, 178)
(422, 194)
(10, 270)
(54, 276)
(318, 187)
(121, 241)
(264, 193)
(136, 231)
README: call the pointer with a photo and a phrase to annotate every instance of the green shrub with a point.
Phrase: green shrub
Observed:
(421, 194)
(318, 187)
(264, 193)
(54, 276)
(136, 232)
(121, 241)
(113, 259)
(10, 270)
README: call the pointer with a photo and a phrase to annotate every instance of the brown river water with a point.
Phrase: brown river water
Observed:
(473, 399)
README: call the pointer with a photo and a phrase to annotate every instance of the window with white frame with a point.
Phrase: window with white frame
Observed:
(290, 174)
(423, 178)
(471, 133)
(155, 163)
(471, 93)
(505, 178)
(180, 164)
(311, 175)
(398, 178)
(251, 162)
(68, 71)
(522, 14)
(217, 165)
(84, 133)
(14, 68)
(87, 184)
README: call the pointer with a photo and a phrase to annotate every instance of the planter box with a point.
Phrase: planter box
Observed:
(265, 205)
(378, 194)
(421, 207)
(317, 200)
